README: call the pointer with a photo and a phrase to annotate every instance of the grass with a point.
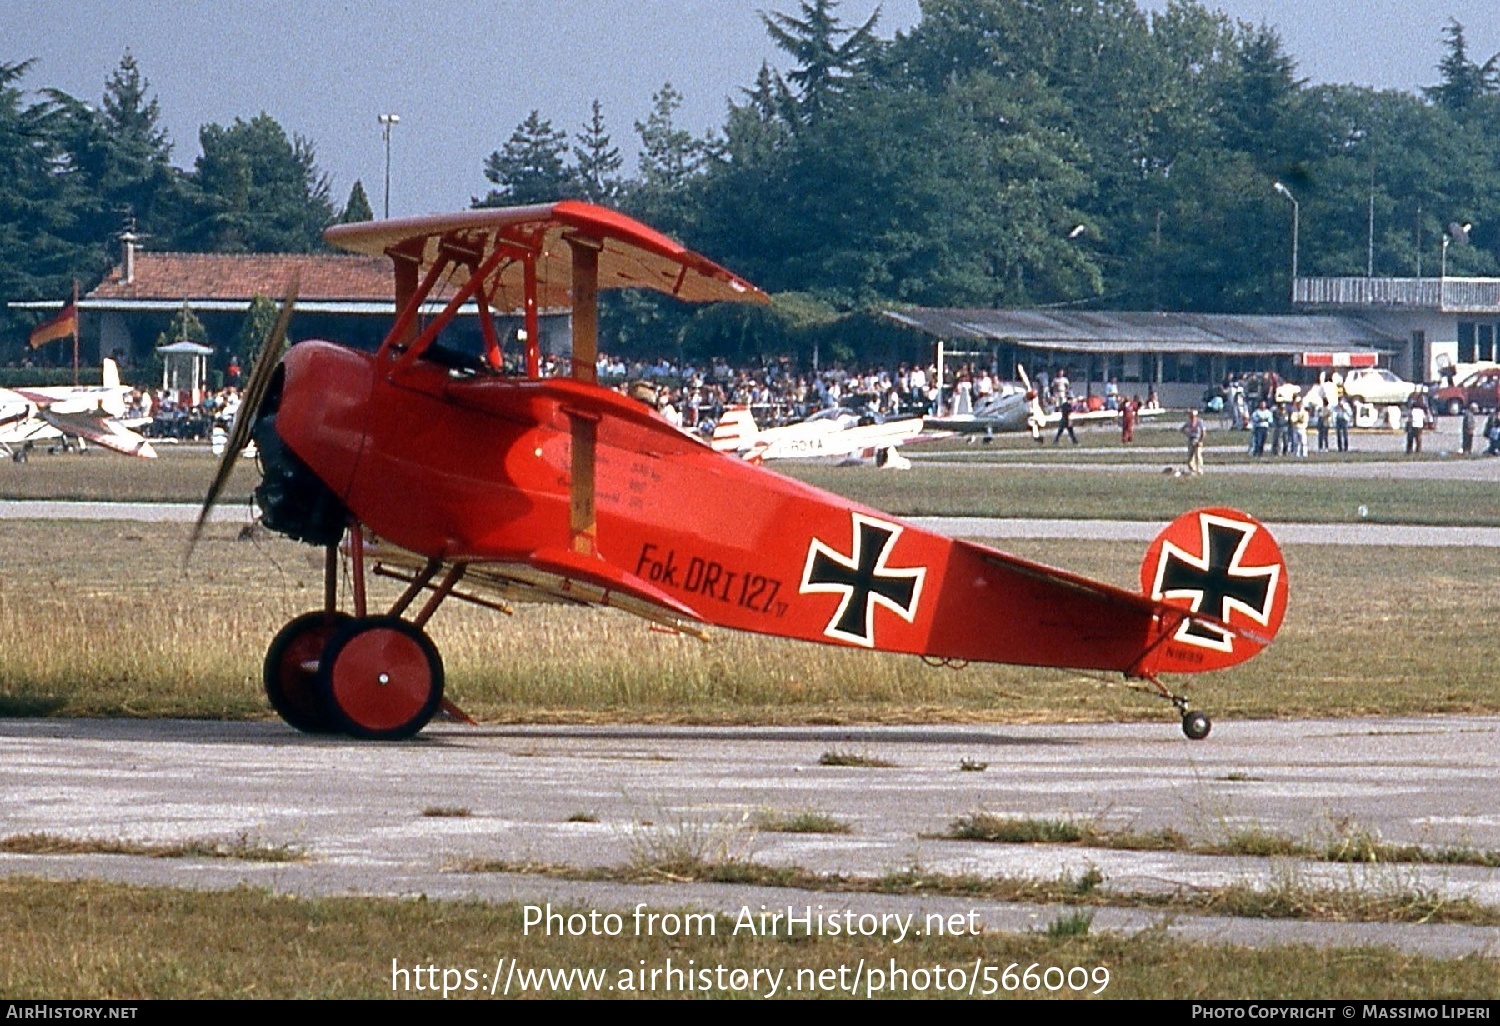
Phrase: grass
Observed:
(984, 485)
(107, 941)
(1345, 842)
(128, 633)
(243, 847)
(839, 757)
(989, 488)
(1074, 923)
(1289, 895)
(179, 474)
(801, 821)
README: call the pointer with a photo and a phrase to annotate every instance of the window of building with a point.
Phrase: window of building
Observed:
(1466, 340)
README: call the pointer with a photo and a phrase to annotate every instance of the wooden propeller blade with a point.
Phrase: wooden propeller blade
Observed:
(244, 421)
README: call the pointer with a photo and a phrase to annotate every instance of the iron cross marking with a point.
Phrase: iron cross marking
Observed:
(863, 581)
(1216, 582)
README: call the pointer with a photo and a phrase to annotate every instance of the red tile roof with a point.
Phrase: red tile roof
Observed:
(241, 276)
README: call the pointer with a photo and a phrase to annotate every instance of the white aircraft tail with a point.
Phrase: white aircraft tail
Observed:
(111, 373)
(736, 431)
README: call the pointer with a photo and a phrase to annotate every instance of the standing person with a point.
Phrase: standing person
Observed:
(1065, 412)
(1194, 429)
(1260, 426)
(1342, 417)
(1127, 419)
(1278, 430)
(1325, 421)
(1467, 428)
(1416, 422)
(1298, 423)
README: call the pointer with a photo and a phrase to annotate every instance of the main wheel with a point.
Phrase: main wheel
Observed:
(380, 678)
(291, 669)
(1196, 725)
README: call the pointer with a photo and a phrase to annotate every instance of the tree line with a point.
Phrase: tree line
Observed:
(1078, 153)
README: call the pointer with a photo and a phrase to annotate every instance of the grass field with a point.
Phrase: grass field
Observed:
(986, 484)
(101, 619)
(94, 940)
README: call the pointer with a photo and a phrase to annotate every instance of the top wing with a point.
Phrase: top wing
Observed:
(631, 255)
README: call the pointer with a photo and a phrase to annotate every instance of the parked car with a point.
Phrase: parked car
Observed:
(1377, 386)
(1481, 387)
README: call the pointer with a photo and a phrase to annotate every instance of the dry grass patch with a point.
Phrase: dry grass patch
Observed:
(839, 757)
(1344, 842)
(130, 634)
(447, 812)
(243, 847)
(802, 821)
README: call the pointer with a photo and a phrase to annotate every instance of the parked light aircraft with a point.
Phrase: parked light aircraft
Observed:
(1016, 408)
(827, 434)
(95, 413)
(467, 482)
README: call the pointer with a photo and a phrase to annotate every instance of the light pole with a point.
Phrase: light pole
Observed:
(1457, 235)
(1296, 229)
(386, 121)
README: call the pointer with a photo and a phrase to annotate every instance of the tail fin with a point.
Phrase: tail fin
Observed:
(111, 373)
(736, 431)
(1223, 567)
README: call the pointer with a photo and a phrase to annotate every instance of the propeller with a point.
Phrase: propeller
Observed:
(253, 395)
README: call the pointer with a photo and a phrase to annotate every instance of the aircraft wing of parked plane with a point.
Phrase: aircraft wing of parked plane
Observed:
(95, 413)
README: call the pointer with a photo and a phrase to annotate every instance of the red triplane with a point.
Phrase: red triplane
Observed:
(463, 479)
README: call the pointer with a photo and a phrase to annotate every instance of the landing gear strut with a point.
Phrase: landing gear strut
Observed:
(1195, 724)
(376, 677)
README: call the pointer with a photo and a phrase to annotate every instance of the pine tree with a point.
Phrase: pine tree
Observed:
(530, 167)
(358, 206)
(1463, 81)
(831, 57)
(669, 155)
(596, 163)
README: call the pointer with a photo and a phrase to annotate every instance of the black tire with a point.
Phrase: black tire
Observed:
(380, 679)
(292, 690)
(1196, 725)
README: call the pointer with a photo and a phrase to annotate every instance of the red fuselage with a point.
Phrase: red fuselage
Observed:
(477, 469)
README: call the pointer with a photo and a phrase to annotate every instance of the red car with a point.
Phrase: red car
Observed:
(1482, 387)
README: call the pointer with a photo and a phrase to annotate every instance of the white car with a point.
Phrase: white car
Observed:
(1377, 386)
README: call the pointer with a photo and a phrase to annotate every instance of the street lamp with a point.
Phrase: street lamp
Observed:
(387, 120)
(1296, 228)
(1457, 235)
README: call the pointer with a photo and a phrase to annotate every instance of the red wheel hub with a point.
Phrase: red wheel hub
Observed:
(383, 677)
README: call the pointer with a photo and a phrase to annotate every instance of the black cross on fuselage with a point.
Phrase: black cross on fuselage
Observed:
(863, 580)
(1218, 581)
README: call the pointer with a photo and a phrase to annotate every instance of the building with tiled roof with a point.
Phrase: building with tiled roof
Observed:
(225, 281)
(339, 296)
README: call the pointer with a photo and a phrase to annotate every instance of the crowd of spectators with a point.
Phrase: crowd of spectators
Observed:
(694, 394)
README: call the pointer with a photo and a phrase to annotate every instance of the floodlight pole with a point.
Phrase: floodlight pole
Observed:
(1296, 229)
(387, 120)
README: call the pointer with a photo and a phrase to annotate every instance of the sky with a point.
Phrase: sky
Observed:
(461, 74)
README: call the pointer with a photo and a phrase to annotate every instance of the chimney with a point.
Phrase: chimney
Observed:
(129, 238)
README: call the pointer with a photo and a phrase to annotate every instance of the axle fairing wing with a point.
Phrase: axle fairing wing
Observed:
(477, 470)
